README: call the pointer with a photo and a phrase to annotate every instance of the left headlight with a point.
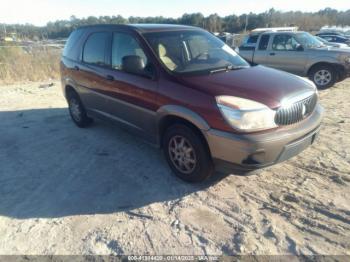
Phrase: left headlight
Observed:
(246, 115)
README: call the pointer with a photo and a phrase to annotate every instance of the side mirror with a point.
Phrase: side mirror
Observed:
(300, 48)
(134, 64)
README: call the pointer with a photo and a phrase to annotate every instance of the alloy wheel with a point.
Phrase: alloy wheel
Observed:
(182, 154)
(322, 77)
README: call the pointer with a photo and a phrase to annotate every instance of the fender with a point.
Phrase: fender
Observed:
(68, 82)
(320, 59)
(182, 112)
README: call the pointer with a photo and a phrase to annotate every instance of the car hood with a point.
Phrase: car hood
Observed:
(341, 47)
(258, 83)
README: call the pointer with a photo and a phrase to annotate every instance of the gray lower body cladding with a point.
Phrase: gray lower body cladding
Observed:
(254, 151)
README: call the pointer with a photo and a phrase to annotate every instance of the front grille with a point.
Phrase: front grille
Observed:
(296, 112)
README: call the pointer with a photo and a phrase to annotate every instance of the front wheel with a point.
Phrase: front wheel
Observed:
(186, 154)
(324, 76)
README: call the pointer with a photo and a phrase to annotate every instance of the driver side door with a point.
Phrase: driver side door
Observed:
(285, 55)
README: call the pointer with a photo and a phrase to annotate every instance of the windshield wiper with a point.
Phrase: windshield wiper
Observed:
(226, 68)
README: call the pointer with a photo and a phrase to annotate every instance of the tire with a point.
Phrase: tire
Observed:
(77, 110)
(323, 76)
(194, 154)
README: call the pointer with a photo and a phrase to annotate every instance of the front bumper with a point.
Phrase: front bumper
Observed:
(252, 151)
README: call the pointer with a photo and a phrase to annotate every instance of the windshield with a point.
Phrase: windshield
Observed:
(193, 51)
(308, 41)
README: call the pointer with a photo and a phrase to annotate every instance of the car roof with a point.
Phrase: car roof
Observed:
(338, 36)
(276, 29)
(283, 32)
(330, 33)
(275, 33)
(143, 28)
(161, 27)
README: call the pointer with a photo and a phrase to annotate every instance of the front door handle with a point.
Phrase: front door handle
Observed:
(109, 78)
(272, 53)
(76, 68)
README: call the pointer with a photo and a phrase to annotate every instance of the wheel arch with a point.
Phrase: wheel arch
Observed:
(68, 84)
(68, 89)
(338, 68)
(170, 115)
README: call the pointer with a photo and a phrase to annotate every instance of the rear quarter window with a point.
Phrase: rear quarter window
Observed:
(249, 43)
(71, 48)
(95, 48)
(252, 39)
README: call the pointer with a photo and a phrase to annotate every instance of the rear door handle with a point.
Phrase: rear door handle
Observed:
(109, 78)
(272, 53)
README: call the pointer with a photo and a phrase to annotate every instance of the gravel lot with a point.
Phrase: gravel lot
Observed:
(65, 190)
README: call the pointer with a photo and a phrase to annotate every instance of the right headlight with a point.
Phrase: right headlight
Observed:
(246, 115)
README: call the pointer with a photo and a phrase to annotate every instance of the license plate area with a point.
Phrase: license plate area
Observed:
(297, 147)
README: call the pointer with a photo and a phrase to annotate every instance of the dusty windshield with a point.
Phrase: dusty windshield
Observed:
(308, 41)
(193, 51)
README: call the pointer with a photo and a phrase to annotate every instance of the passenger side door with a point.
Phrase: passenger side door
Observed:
(286, 54)
(131, 96)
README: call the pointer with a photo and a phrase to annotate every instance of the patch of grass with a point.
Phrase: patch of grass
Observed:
(21, 64)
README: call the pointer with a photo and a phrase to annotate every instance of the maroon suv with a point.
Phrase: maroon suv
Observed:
(184, 90)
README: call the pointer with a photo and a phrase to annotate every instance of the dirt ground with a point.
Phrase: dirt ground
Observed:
(65, 190)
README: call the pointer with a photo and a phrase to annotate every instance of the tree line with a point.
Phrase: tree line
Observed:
(307, 21)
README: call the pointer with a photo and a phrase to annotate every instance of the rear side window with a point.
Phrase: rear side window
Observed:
(70, 50)
(264, 41)
(95, 48)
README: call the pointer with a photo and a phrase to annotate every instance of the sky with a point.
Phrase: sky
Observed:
(39, 12)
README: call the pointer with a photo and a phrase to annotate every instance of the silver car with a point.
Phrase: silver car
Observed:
(299, 53)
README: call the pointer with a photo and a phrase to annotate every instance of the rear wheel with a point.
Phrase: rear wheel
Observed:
(186, 154)
(324, 76)
(77, 111)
